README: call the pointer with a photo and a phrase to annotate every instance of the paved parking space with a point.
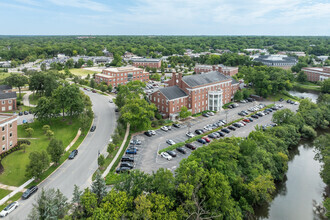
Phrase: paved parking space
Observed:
(148, 159)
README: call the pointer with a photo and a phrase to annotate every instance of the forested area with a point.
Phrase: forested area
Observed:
(227, 179)
(30, 48)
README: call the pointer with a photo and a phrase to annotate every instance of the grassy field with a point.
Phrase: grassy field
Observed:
(20, 98)
(82, 72)
(14, 198)
(15, 163)
(3, 193)
(3, 75)
(307, 86)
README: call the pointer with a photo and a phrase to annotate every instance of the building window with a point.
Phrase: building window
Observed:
(10, 134)
(10, 143)
(3, 109)
(9, 101)
(3, 147)
(10, 125)
(162, 101)
(3, 138)
(162, 108)
(3, 102)
(166, 109)
(154, 99)
(3, 128)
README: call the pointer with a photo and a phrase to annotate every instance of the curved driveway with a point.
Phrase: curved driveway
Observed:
(78, 171)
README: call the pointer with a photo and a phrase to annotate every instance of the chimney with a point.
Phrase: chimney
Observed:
(180, 80)
(213, 67)
(173, 80)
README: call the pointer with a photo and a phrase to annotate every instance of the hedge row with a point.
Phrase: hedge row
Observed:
(15, 148)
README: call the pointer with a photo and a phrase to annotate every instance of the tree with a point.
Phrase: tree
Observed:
(238, 96)
(43, 67)
(101, 160)
(98, 187)
(76, 202)
(109, 88)
(90, 63)
(80, 63)
(84, 120)
(49, 134)
(89, 202)
(17, 80)
(29, 131)
(23, 146)
(92, 83)
(184, 113)
(45, 109)
(301, 77)
(50, 204)
(325, 88)
(55, 149)
(39, 161)
(69, 63)
(45, 128)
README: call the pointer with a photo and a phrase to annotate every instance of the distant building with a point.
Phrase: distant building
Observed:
(7, 98)
(5, 64)
(8, 131)
(282, 61)
(208, 91)
(144, 62)
(317, 73)
(228, 71)
(121, 75)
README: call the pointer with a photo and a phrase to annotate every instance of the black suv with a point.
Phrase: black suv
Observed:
(171, 153)
(199, 131)
(225, 130)
(232, 128)
(176, 125)
(148, 133)
(73, 154)
(126, 164)
(191, 146)
(123, 169)
(221, 134)
(181, 150)
(127, 159)
(93, 128)
(29, 192)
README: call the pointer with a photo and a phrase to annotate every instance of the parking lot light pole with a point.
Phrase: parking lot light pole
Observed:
(226, 111)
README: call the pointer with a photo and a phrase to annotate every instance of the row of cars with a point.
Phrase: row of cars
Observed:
(150, 133)
(127, 161)
(87, 89)
(261, 113)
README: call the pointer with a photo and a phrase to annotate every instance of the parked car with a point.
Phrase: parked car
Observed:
(221, 134)
(191, 146)
(281, 100)
(190, 135)
(148, 133)
(127, 159)
(225, 130)
(26, 112)
(131, 151)
(164, 128)
(136, 142)
(93, 128)
(20, 113)
(199, 131)
(181, 150)
(9, 208)
(123, 169)
(127, 164)
(176, 125)
(206, 115)
(216, 134)
(251, 120)
(255, 116)
(202, 141)
(246, 120)
(208, 140)
(94, 91)
(211, 136)
(232, 128)
(259, 114)
(73, 154)
(166, 156)
(236, 125)
(29, 192)
(210, 113)
(170, 142)
(171, 153)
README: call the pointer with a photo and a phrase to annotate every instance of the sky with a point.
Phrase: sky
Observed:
(165, 17)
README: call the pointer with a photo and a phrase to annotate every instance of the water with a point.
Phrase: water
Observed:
(300, 94)
(294, 197)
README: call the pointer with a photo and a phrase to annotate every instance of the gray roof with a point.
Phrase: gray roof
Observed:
(8, 95)
(234, 81)
(173, 92)
(145, 60)
(5, 87)
(206, 78)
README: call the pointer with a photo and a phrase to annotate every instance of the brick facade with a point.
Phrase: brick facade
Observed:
(152, 63)
(121, 75)
(317, 73)
(8, 132)
(196, 98)
(7, 99)
(228, 71)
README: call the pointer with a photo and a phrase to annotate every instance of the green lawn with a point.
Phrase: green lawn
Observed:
(15, 163)
(4, 75)
(307, 85)
(33, 98)
(12, 199)
(3, 193)
(82, 72)
(20, 98)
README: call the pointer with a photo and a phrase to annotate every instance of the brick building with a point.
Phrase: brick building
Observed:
(7, 98)
(8, 131)
(208, 91)
(317, 73)
(143, 62)
(121, 75)
(226, 70)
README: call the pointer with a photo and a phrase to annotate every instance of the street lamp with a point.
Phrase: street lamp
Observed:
(226, 111)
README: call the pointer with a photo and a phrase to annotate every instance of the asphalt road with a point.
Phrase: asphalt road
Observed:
(148, 159)
(78, 171)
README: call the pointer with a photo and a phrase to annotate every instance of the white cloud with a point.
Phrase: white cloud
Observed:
(85, 4)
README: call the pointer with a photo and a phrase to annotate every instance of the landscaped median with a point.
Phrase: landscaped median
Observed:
(190, 140)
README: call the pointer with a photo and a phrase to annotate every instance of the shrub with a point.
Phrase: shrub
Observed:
(308, 132)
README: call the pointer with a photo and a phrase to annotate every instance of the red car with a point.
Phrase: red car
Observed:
(243, 122)
(208, 140)
(246, 120)
(94, 91)
(85, 88)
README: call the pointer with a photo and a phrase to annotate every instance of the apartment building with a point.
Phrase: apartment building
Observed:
(208, 91)
(317, 73)
(8, 131)
(7, 98)
(143, 62)
(226, 70)
(121, 75)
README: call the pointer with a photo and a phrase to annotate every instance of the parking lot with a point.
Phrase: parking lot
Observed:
(147, 158)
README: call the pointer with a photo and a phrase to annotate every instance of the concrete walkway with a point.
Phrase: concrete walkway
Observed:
(18, 189)
(105, 173)
(74, 140)
(26, 100)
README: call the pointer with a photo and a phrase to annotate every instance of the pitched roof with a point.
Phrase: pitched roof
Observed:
(234, 81)
(173, 92)
(5, 87)
(8, 95)
(206, 78)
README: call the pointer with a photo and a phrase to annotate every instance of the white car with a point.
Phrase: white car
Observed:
(190, 135)
(170, 142)
(296, 103)
(110, 101)
(11, 207)
(152, 132)
(210, 113)
(166, 156)
(164, 128)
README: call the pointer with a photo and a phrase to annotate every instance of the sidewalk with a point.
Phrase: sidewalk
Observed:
(105, 173)
(18, 189)
(26, 100)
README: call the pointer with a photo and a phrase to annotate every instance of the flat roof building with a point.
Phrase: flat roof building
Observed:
(317, 73)
(144, 62)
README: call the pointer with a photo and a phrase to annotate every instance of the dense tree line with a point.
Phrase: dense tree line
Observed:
(29, 48)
